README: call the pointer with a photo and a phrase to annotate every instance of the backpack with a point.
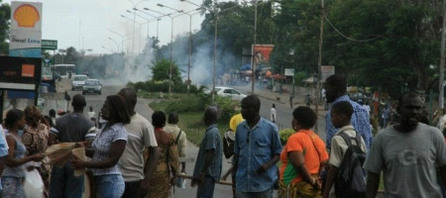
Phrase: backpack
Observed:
(350, 178)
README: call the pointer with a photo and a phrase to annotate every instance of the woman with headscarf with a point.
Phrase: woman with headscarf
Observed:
(168, 163)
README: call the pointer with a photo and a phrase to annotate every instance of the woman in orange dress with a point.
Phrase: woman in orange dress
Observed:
(168, 163)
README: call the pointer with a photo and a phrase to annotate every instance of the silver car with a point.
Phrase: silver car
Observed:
(78, 81)
(92, 86)
(228, 92)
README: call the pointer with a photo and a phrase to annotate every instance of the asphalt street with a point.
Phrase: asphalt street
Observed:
(284, 117)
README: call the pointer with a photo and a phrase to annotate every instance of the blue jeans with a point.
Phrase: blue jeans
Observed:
(206, 188)
(264, 194)
(12, 187)
(65, 184)
(109, 186)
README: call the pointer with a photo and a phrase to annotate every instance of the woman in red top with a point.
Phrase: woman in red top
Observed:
(302, 158)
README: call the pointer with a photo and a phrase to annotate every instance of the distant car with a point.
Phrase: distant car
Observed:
(78, 81)
(92, 86)
(229, 92)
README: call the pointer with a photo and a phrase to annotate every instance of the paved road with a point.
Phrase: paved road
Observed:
(284, 116)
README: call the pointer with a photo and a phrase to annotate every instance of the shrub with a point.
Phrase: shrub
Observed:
(284, 134)
(191, 103)
(226, 107)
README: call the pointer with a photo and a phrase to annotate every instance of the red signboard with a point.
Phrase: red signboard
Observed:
(262, 52)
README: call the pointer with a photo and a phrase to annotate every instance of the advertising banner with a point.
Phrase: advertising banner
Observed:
(25, 37)
(262, 53)
(19, 73)
(326, 72)
(26, 29)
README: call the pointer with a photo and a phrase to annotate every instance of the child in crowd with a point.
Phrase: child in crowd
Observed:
(341, 114)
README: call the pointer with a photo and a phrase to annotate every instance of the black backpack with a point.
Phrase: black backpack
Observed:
(350, 178)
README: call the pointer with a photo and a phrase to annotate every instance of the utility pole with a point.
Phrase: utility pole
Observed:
(189, 53)
(253, 49)
(215, 52)
(442, 59)
(319, 61)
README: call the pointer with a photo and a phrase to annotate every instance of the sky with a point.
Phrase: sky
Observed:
(89, 24)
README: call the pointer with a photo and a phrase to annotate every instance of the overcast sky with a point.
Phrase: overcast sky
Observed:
(86, 24)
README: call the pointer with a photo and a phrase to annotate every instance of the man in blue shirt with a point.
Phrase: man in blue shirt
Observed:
(257, 148)
(209, 159)
(336, 91)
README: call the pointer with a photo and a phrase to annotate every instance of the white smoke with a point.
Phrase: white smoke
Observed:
(136, 68)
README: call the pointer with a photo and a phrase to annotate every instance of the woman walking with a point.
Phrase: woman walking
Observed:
(107, 148)
(13, 174)
(302, 158)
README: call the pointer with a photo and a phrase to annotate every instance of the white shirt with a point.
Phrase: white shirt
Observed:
(273, 117)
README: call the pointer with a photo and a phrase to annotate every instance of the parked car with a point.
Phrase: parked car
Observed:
(78, 81)
(229, 92)
(92, 86)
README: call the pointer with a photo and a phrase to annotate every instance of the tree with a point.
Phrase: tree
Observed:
(160, 71)
(5, 15)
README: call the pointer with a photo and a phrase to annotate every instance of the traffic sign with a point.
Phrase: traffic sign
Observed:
(289, 72)
(49, 44)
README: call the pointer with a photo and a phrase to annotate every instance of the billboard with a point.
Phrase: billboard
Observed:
(20, 73)
(327, 71)
(26, 29)
(262, 53)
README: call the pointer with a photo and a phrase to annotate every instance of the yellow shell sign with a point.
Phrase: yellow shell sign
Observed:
(26, 16)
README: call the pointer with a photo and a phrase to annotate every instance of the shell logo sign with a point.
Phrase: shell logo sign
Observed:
(26, 16)
(25, 32)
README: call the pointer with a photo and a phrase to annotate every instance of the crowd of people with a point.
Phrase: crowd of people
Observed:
(132, 157)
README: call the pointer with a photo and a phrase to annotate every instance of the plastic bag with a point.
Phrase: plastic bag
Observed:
(33, 184)
(180, 182)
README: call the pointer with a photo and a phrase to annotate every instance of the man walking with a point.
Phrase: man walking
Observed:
(336, 91)
(273, 113)
(72, 127)
(257, 148)
(209, 159)
(408, 153)
(135, 170)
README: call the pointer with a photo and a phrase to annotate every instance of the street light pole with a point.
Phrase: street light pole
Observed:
(171, 42)
(122, 39)
(148, 21)
(189, 53)
(117, 44)
(134, 21)
(215, 11)
(215, 52)
(189, 42)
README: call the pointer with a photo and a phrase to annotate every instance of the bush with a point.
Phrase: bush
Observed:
(157, 86)
(191, 103)
(284, 134)
(226, 107)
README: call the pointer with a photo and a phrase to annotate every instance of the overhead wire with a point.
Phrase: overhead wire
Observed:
(349, 38)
